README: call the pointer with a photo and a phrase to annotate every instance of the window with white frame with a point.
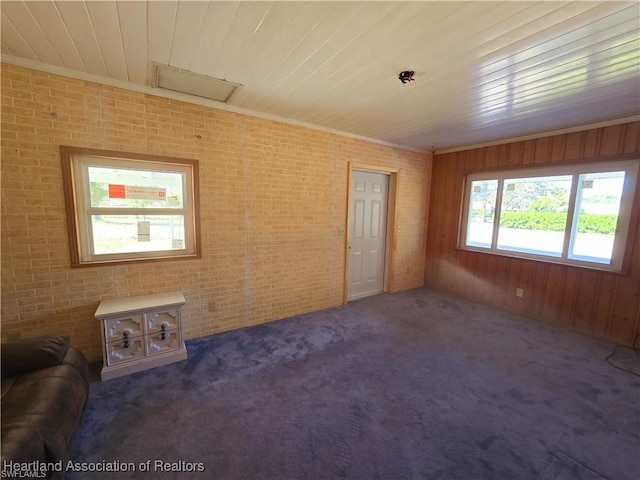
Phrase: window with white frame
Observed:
(130, 207)
(577, 214)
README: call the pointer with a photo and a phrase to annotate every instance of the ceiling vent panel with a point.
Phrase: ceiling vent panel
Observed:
(184, 81)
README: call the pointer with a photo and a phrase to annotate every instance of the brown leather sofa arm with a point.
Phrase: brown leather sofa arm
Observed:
(32, 354)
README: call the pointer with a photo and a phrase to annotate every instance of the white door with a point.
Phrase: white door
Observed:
(367, 233)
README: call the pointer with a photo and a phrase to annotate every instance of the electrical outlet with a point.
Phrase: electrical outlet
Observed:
(519, 292)
(341, 231)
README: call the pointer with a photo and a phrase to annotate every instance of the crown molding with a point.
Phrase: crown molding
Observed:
(183, 97)
(550, 133)
(89, 77)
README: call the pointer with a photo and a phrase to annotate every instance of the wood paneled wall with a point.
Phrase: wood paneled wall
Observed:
(599, 303)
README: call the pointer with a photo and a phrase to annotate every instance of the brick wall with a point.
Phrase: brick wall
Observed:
(272, 198)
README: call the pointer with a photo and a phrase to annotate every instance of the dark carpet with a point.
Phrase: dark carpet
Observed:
(413, 385)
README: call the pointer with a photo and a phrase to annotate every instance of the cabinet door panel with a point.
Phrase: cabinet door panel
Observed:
(123, 327)
(125, 351)
(165, 319)
(163, 342)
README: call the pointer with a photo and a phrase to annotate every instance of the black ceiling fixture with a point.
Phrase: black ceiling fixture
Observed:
(406, 76)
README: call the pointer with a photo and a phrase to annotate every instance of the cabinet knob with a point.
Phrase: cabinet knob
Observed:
(163, 326)
(125, 344)
(163, 336)
(125, 334)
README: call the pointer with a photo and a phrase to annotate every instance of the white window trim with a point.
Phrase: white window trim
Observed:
(631, 167)
(75, 164)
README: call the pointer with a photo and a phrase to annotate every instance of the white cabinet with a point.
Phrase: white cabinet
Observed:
(141, 332)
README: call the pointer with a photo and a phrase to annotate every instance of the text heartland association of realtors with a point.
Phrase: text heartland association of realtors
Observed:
(38, 469)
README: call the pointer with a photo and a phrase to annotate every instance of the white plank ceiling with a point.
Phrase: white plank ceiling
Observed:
(485, 71)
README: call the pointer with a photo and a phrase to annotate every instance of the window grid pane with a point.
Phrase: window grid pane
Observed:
(481, 213)
(114, 234)
(596, 216)
(533, 215)
(130, 188)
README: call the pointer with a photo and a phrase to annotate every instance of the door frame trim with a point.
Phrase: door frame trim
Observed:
(390, 240)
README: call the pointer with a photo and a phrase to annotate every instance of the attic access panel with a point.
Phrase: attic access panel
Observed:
(184, 81)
